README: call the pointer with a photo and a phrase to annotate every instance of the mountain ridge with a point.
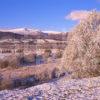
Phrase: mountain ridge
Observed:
(32, 33)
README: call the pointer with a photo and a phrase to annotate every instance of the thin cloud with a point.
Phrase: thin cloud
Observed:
(98, 1)
(78, 15)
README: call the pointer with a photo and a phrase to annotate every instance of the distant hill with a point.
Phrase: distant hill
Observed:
(25, 33)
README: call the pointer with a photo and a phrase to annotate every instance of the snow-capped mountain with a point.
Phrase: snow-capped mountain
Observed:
(52, 32)
(29, 31)
(32, 33)
(26, 31)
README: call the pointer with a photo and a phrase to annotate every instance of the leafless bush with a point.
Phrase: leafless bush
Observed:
(82, 54)
(6, 51)
(30, 57)
(11, 61)
(19, 50)
(47, 53)
(59, 53)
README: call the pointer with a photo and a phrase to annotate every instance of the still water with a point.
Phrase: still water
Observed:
(38, 60)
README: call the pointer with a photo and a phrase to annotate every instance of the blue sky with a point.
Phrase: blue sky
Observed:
(42, 14)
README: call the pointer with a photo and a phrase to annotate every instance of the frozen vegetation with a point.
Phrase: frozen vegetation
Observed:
(76, 77)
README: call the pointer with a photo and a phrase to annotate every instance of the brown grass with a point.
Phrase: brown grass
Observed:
(41, 73)
(14, 60)
(10, 61)
(59, 53)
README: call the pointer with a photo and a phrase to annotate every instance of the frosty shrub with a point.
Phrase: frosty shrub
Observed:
(82, 54)
(59, 53)
(11, 61)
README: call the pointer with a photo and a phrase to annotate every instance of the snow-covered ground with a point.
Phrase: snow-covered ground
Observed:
(3, 55)
(62, 89)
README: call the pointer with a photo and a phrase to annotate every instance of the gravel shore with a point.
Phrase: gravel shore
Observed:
(62, 89)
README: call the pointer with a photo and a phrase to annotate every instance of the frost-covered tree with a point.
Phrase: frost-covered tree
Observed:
(82, 54)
